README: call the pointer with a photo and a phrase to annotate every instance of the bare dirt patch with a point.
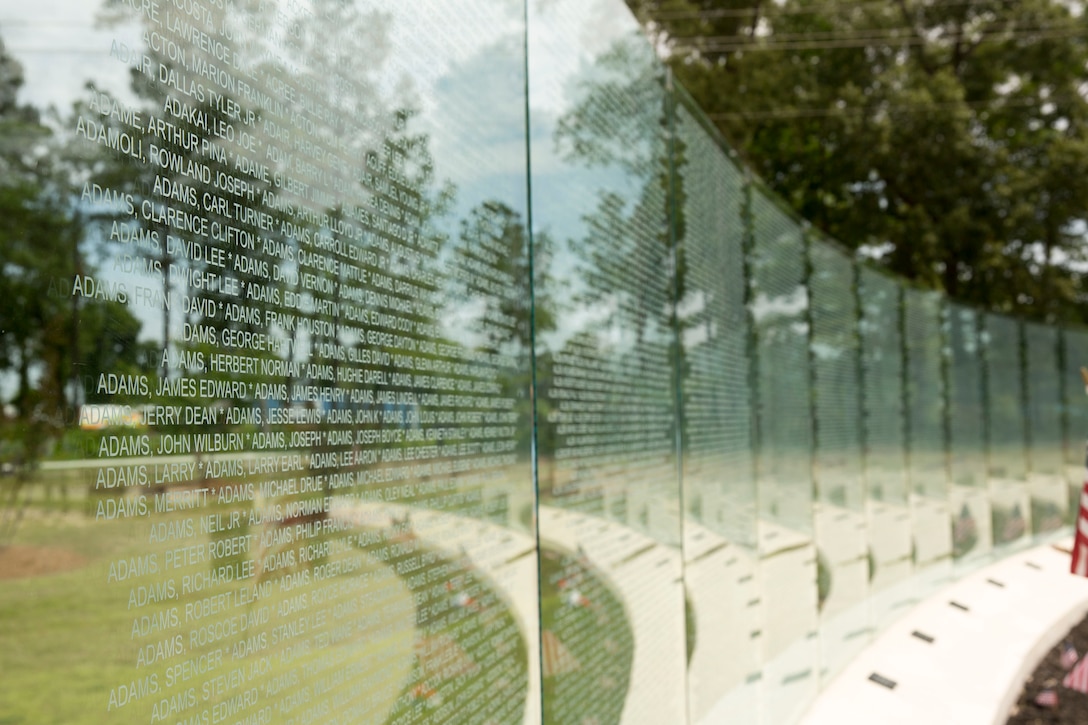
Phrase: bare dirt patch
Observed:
(18, 561)
(1072, 706)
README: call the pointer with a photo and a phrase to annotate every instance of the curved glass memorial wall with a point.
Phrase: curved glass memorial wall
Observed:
(718, 475)
(371, 363)
(890, 533)
(972, 530)
(842, 563)
(288, 415)
(612, 591)
(1009, 495)
(926, 452)
(1046, 481)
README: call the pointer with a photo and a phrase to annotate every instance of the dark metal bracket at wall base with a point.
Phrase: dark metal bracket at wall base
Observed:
(883, 681)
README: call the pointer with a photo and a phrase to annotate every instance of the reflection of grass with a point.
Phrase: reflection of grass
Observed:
(471, 659)
(53, 490)
(343, 644)
(689, 627)
(1046, 516)
(1009, 523)
(59, 635)
(964, 533)
(823, 579)
(588, 645)
(68, 641)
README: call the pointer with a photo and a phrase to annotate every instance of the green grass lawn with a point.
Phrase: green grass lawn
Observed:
(588, 643)
(356, 622)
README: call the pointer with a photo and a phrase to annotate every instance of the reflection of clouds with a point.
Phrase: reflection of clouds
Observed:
(597, 25)
(458, 321)
(578, 319)
(443, 33)
(62, 47)
(476, 122)
(824, 351)
(696, 336)
(765, 307)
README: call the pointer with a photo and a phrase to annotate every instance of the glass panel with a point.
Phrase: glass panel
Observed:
(284, 474)
(613, 599)
(890, 560)
(779, 309)
(1049, 498)
(842, 546)
(1008, 459)
(1074, 357)
(922, 336)
(720, 552)
(270, 304)
(972, 534)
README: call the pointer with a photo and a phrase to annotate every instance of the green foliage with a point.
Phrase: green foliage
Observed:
(949, 140)
(54, 342)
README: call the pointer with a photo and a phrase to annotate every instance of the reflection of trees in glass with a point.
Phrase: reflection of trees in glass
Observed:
(779, 308)
(882, 362)
(199, 229)
(342, 231)
(494, 245)
(629, 254)
(617, 341)
(1004, 398)
(835, 362)
(492, 256)
(965, 383)
(925, 392)
(62, 328)
(287, 190)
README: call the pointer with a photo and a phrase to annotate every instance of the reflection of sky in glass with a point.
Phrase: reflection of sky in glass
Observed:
(459, 66)
(565, 193)
(439, 56)
(58, 42)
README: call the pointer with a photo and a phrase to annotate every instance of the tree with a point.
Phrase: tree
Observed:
(493, 269)
(60, 329)
(947, 140)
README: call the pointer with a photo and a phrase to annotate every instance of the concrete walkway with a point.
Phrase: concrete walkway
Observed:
(961, 656)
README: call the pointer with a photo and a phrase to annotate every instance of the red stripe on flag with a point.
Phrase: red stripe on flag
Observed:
(1077, 679)
(1079, 564)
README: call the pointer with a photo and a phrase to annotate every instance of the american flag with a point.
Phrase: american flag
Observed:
(1047, 699)
(1077, 679)
(1079, 565)
(1069, 656)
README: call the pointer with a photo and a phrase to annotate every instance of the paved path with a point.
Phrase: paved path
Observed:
(988, 632)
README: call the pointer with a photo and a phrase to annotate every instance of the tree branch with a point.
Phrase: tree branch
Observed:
(908, 19)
